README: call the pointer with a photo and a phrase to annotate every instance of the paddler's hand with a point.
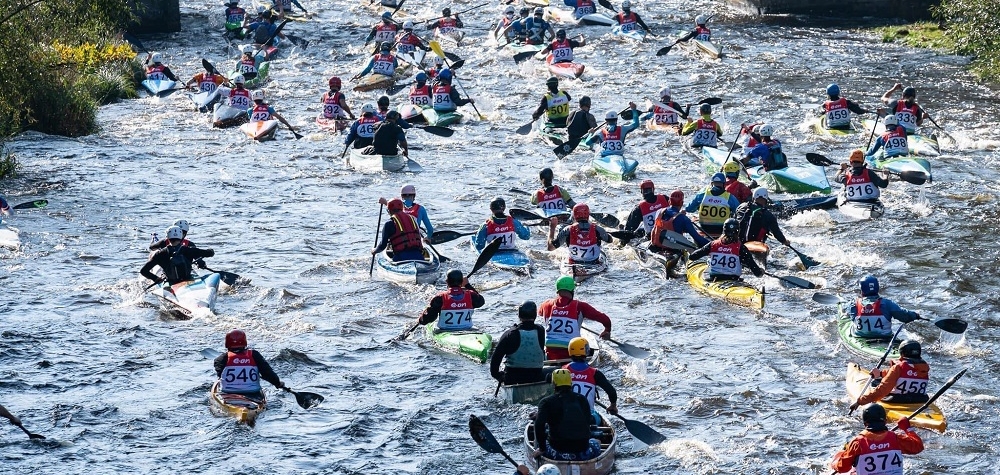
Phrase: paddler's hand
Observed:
(903, 424)
(631, 105)
(553, 221)
(852, 408)
(537, 453)
(613, 409)
(523, 470)
(844, 166)
(373, 251)
(382, 201)
(606, 335)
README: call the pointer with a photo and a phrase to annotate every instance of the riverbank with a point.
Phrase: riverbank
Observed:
(985, 58)
(922, 34)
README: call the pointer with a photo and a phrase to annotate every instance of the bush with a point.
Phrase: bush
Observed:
(8, 163)
(975, 27)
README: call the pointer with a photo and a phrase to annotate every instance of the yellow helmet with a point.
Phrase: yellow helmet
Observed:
(579, 346)
(562, 377)
(731, 167)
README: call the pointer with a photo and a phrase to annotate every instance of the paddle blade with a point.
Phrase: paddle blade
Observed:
(826, 299)
(757, 246)
(307, 400)
(32, 204)
(623, 235)
(913, 176)
(436, 47)
(438, 130)
(30, 435)
(522, 57)
(566, 148)
(229, 278)
(208, 66)
(664, 50)
(482, 435)
(440, 237)
(643, 432)
(679, 239)
(795, 281)
(523, 215)
(396, 88)
(952, 325)
(457, 64)
(606, 220)
(485, 256)
(413, 166)
(712, 101)
(454, 58)
(632, 350)
(806, 261)
(524, 129)
(626, 114)
(817, 159)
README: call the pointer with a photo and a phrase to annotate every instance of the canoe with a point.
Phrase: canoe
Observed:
(375, 163)
(9, 238)
(905, 163)
(638, 34)
(409, 272)
(735, 292)
(244, 409)
(860, 211)
(614, 166)
(601, 465)
(158, 87)
(228, 116)
(919, 144)
(660, 263)
(193, 298)
(412, 113)
(794, 179)
(819, 127)
(334, 125)
(786, 208)
(474, 344)
(203, 100)
(583, 271)
(567, 69)
(263, 68)
(260, 130)
(868, 347)
(531, 393)
(441, 119)
(931, 418)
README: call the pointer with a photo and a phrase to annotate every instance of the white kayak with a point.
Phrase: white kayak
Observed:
(375, 163)
(260, 130)
(204, 99)
(858, 210)
(226, 115)
(9, 238)
(158, 87)
(423, 271)
(633, 34)
(194, 298)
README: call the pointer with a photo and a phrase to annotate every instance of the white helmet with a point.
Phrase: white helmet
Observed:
(183, 224)
(246, 49)
(766, 130)
(548, 469)
(700, 20)
(755, 129)
(408, 25)
(611, 115)
(174, 232)
(891, 120)
(438, 60)
(155, 58)
(261, 9)
(239, 79)
(626, 5)
(367, 109)
(258, 95)
(509, 10)
(665, 91)
(539, 11)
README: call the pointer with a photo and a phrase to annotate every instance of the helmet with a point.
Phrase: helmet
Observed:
(562, 377)
(407, 190)
(705, 109)
(560, 33)
(395, 205)
(755, 129)
(647, 185)
(539, 11)
(183, 224)
(874, 414)
(665, 91)
(261, 9)
(910, 92)
(438, 60)
(545, 174)
(565, 283)
(731, 228)
(246, 49)
(367, 109)
(236, 339)
(258, 95)
(421, 77)
(527, 310)
(385, 47)
(387, 16)
(548, 469)
(408, 25)
(498, 204)
(445, 75)
(383, 101)
(731, 168)
(857, 156)
(155, 58)
(175, 232)
(394, 115)
(700, 20)
(238, 79)
(579, 346)
(909, 349)
(454, 277)
(868, 286)
(552, 81)
(510, 10)
(833, 90)
(760, 193)
(334, 82)
(611, 115)
(676, 198)
(525, 10)
(766, 130)
(581, 212)
(718, 178)
(891, 120)
(446, 11)
(626, 5)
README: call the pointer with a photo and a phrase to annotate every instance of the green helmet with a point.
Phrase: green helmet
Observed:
(566, 283)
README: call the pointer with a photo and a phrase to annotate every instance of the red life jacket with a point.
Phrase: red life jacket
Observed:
(407, 236)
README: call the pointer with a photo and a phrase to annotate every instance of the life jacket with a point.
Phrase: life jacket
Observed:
(662, 116)
(407, 42)
(880, 454)
(557, 106)
(776, 159)
(837, 113)
(894, 142)
(911, 386)
(413, 210)
(535, 30)
(235, 15)
(447, 25)
(563, 324)
(583, 247)
(442, 98)
(584, 7)
(724, 259)
(331, 105)
(871, 321)
(907, 115)
(407, 236)
(385, 33)
(384, 64)
(714, 210)
(584, 381)
(247, 66)
(859, 187)
(260, 112)
(702, 34)
(179, 267)
(649, 210)
(262, 33)
(209, 82)
(705, 134)
(240, 374)
(421, 96)
(529, 354)
(366, 126)
(155, 73)
(550, 200)
(456, 309)
(628, 21)
(660, 225)
(504, 231)
(239, 98)
(561, 51)
(613, 142)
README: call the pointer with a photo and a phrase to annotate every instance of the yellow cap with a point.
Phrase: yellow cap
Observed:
(562, 377)
(579, 347)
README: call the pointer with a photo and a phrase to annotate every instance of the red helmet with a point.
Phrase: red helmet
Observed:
(581, 212)
(677, 198)
(395, 205)
(236, 339)
(646, 185)
(335, 83)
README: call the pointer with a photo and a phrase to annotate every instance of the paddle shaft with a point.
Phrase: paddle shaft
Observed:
(30, 435)
(951, 382)
(801, 285)
(458, 13)
(276, 33)
(440, 52)
(378, 229)
(881, 360)
(872, 136)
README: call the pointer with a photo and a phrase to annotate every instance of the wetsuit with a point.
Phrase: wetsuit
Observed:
(175, 262)
(524, 362)
(566, 414)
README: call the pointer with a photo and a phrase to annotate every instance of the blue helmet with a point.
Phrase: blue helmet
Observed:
(719, 177)
(869, 286)
(421, 77)
(445, 75)
(387, 16)
(833, 90)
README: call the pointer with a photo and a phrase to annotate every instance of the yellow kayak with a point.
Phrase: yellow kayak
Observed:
(931, 418)
(242, 408)
(733, 291)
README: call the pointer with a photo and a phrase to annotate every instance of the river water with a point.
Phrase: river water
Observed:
(117, 386)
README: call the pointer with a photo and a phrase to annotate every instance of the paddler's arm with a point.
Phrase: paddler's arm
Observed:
(169, 74)
(890, 307)
(197, 253)
(910, 442)
(884, 388)
(148, 267)
(695, 203)
(603, 383)
(265, 370)
(747, 260)
(641, 23)
(635, 120)
(156, 246)
(479, 239)
(877, 179)
(457, 98)
(594, 139)
(458, 22)
(371, 36)
(887, 97)
(875, 146)
(691, 34)
(855, 108)
(602, 233)
(508, 344)
(591, 313)
(424, 219)
(689, 127)
(844, 460)
(368, 69)
(566, 198)
(282, 120)
(683, 225)
(521, 230)
(541, 420)
(771, 224)
(432, 311)
(477, 300)
(220, 364)
(700, 252)
(560, 238)
(194, 80)
(388, 230)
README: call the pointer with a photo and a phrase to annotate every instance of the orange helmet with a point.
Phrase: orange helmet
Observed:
(857, 156)
(677, 198)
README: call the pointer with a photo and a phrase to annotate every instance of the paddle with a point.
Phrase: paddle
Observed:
(666, 49)
(398, 6)
(32, 204)
(526, 128)
(806, 261)
(524, 215)
(482, 435)
(30, 435)
(915, 177)
(413, 166)
(436, 47)
(208, 66)
(458, 13)
(628, 349)
(276, 31)
(296, 134)
(229, 278)
(306, 400)
(871, 374)
(639, 430)
(607, 4)
(798, 282)
(441, 257)
(132, 40)
(605, 219)
(441, 237)
(872, 136)
(396, 88)
(436, 130)
(950, 325)
(524, 56)
(571, 144)
(623, 235)
(817, 159)
(950, 383)
(378, 229)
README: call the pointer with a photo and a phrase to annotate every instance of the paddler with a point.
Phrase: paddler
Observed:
(262, 111)
(175, 259)
(446, 97)
(893, 140)
(551, 199)
(363, 130)
(872, 314)
(562, 424)
(383, 63)
(714, 206)
(707, 132)
(767, 153)
(554, 105)
(500, 226)
(384, 32)
(580, 123)
(206, 81)
(282, 6)
(401, 232)
(506, 20)
(586, 379)
(733, 184)
(162, 243)
(234, 16)
(628, 20)
(582, 8)
(700, 32)
(672, 218)
(257, 17)
(611, 136)
(389, 137)
(837, 110)
(905, 382)
(516, 31)
(860, 183)
(562, 48)
(454, 306)
(247, 64)
(433, 71)
(335, 103)
(447, 24)
(671, 114)
(383, 112)
(421, 92)
(156, 70)
(408, 193)
(582, 238)
(644, 213)
(264, 32)
(756, 221)
(909, 114)
(538, 30)
(523, 347)
(727, 255)
(237, 96)
(240, 369)
(563, 316)
(877, 449)
(408, 42)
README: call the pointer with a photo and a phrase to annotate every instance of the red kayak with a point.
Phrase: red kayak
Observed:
(566, 69)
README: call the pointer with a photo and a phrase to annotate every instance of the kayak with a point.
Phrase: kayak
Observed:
(227, 116)
(244, 409)
(454, 36)
(905, 163)
(583, 271)
(566, 16)
(513, 260)
(931, 418)
(375, 163)
(819, 127)
(262, 71)
(735, 292)
(601, 465)
(471, 343)
(440, 118)
(708, 48)
(869, 347)
(193, 298)
(514, 49)
(260, 130)
(786, 208)
(554, 136)
(335, 125)
(614, 166)
(412, 113)
(566, 69)
(661, 263)
(409, 272)
(794, 179)
(9, 238)
(203, 100)
(159, 87)
(919, 144)
(635, 34)
(374, 81)
(858, 210)
(532, 393)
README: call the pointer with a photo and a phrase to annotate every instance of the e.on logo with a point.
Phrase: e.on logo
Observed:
(241, 360)
(878, 446)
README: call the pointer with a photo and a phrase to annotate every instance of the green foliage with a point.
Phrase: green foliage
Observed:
(8, 163)
(918, 35)
(975, 28)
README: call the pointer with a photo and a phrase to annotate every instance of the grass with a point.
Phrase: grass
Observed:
(918, 35)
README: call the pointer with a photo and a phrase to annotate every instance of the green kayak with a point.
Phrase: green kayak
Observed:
(819, 127)
(441, 119)
(871, 347)
(470, 343)
(552, 135)
(262, 69)
(900, 164)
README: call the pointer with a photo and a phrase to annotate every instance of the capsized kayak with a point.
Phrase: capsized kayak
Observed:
(735, 292)
(552, 135)
(193, 298)
(868, 347)
(440, 118)
(793, 179)
(159, 87)
(858, 210)
(566, 69)
(615, 166)
(375, 163)
(409, 272)
(472, 343)
(584, 270)
(514, 49)
(244, 409)
(635, 33)
(905, 163)
(919, 144)
(931, 418)
(260, 130)
(662, 263)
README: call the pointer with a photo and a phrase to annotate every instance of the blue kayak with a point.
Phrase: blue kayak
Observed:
(635, 34)
(615, 166)
(510, 259)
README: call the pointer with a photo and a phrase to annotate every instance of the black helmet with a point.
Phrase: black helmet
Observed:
(731, 228)
(454, 277)
(545, 174)
(705, 109)
(527, 311)
(498, 204)
(560, 33)
(552, 82)
(909, 349)
(383, 101)
(874, 415)
(585, 101)
(446, 11)
(910, 92)
(392, 115)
